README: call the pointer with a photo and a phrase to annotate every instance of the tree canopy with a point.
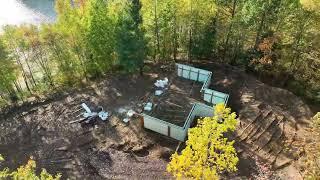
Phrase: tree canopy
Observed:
(207, 152)
(274, 39)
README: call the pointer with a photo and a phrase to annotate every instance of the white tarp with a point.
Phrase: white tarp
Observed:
(162, 83)
(148, 106)
(102, 114)
(158, 92)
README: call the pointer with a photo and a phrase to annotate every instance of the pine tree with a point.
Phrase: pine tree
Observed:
(131, 44)
(204, 42)
(100, 38)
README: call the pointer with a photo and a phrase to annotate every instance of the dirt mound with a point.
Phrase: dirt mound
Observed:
(273, 121)
(111, 165)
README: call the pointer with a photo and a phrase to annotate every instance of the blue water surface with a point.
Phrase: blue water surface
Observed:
(16, 12)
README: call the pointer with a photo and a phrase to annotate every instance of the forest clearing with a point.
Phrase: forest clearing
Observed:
(160, 89)
(269, 138)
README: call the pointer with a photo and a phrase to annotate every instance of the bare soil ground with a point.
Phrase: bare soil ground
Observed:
(269, 138)
(111, 149)
(273, 122)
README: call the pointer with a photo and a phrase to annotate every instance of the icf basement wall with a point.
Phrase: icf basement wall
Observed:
(214, 97)
(211, 96)
(200, 110)
(155, 124)
(172, 130)
(164, 127)
(192, 73)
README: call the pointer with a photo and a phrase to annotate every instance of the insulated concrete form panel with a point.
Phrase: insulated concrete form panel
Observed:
(164, 127)
(200, 110)
(203, 77)
(155, 124)
(186, 72)
(203, 110)
(215, 97)
(192, 73)
(206, 84)
(177, 133)
(174, 131)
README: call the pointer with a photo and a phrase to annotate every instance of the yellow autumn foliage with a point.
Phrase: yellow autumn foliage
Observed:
(207, 151)
(26, 172)
(310, 166)
(311, 5)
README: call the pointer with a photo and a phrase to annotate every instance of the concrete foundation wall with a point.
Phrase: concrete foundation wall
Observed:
(163, 127)
(172, 130)
(211, 96)
(192, 73)
(215, 97)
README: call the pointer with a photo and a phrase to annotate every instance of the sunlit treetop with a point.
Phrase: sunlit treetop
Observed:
(208, 153)
(311, 5)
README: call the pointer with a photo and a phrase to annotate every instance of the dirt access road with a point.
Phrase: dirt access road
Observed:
(272, 122)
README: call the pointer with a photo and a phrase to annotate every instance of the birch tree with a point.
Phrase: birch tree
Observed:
(207, 151)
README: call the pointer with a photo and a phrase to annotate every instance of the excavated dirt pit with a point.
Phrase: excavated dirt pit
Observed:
(269, 137)
(175, 104)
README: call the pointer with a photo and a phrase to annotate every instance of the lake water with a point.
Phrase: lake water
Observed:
(17, 12)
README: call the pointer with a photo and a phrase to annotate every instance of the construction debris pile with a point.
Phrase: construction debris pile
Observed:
(89, 116)
(160, 86)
